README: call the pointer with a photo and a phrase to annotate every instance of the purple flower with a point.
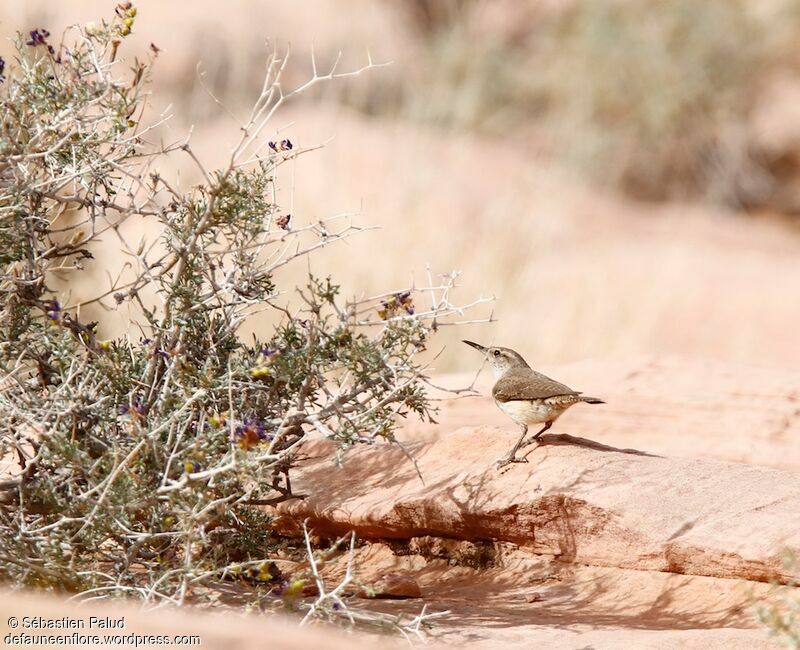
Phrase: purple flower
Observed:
(268, 352)
(54, 311)
(404, 300)
(391, 306)
(38, 37)
(251, 424)
(144, 342)
(138, 407)
(249, 433)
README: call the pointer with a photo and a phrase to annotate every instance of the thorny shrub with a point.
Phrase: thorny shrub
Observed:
(781, 616)
(137, 465)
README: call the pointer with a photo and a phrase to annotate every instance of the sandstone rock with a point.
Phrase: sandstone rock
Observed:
(670, 406)
(456, 551)
(394, 585)
(575, 499)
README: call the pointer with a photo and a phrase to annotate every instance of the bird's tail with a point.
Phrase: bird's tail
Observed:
(591, 400)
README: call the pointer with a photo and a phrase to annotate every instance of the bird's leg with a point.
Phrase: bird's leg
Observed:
(511, 458)
(536, 435)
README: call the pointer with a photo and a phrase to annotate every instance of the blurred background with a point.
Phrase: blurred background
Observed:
(624, 176)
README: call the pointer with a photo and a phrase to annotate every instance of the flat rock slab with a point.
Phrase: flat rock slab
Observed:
(574, 499)
(671, 406)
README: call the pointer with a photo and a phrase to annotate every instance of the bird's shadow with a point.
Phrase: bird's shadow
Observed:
(556, 439)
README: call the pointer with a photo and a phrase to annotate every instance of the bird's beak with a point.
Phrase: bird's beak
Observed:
(478, 347)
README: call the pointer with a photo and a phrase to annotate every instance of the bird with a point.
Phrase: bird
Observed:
(527, 396)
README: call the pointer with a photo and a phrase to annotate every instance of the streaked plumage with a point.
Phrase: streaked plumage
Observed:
(525, 383)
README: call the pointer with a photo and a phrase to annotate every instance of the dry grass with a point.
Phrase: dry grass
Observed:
(577, 274)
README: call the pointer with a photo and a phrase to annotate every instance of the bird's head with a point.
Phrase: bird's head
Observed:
(501, 359)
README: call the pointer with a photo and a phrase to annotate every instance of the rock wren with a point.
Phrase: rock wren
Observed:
(527, 396)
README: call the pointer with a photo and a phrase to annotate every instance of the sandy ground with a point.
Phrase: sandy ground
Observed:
(533, 601)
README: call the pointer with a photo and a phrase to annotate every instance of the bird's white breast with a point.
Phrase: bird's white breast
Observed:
(529, 412)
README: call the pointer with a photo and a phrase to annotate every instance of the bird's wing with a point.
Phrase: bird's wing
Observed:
(528, 384)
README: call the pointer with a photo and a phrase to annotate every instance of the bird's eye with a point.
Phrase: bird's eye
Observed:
(497, 353)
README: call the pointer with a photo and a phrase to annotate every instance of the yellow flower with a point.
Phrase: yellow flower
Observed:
(191, 467)
(264, 572)
(260, 372)
(216, 420)
(294, 588)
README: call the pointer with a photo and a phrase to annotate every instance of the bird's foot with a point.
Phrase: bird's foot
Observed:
(509, 460)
